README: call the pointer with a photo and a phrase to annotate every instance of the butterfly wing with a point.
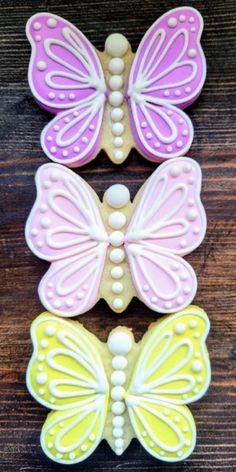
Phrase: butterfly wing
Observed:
(66, 374)
(65, 74)
(172, 370)
(169, 221)
(65, 228)
(167, 74)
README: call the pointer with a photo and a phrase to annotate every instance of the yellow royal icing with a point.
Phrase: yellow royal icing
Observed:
(121, 389)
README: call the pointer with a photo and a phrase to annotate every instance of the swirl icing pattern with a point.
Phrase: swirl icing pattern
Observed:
(140, 392)
(94, 95)
(94, 247)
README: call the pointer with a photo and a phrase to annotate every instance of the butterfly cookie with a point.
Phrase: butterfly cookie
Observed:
(115, 100)
(119, 390)
(116, 249)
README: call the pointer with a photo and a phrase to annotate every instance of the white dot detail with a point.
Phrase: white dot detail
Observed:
(41, 65)
(52, 23)
(37, 26)
(192, 52)
(50, 330)
(175, 171)
(41, 378)
(172, 22)
(180, 328)
(196, 366)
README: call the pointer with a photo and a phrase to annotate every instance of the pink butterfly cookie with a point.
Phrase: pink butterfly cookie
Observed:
(116, 100)
(117, 249)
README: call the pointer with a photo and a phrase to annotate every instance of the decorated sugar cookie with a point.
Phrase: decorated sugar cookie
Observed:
(117, 249)
(119, 390)
(115, 100)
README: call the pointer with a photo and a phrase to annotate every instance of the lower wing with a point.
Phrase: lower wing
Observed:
(165, 430)
(161, 131)
(164, 282)
(72, 138)
(70, 436)
(66, 374)
(70, 287)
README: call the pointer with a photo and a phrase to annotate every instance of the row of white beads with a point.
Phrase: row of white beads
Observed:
(119, 343)
(117, 196)
(116, 46)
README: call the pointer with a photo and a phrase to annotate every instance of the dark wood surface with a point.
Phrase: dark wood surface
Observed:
(214, 147)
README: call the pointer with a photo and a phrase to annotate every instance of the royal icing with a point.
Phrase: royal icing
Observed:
(66, 228)
(70, 79)
(142, 395)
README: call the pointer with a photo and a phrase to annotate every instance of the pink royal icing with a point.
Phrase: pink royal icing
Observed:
(66, 78)
(65, 227)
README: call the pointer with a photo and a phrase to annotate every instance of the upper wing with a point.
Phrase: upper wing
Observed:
(66, 374)
(169, 69)
(65, 74)
(65, 228)
(169, 220)
(64, 68)
(173, 369)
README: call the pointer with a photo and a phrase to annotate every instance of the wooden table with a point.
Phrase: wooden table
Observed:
(214, 147)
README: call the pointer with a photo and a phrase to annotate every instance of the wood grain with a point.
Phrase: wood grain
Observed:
(21, 120)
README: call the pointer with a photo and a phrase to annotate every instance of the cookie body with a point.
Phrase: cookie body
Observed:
(117, 249)
(121, 389)
(115, 99)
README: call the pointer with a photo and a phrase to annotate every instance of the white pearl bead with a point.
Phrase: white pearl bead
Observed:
(118, 408)
(117, 287)
(120, 342)
(117, 393)
(117, 432)
(117, 255)
(118, 141)
(116, 238)
(119, 155)
(117, 114)
(117, 219)
(117, 272)
(115, 82)
(118, 303)
(116, 45)
(119, 362)
(117, 196)
(119, 451)
(116, 98)
(116, 65)
(118, 421)
(119, 443)
(117, 129)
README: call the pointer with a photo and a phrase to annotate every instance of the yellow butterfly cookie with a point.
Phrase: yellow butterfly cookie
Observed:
(121, 389)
